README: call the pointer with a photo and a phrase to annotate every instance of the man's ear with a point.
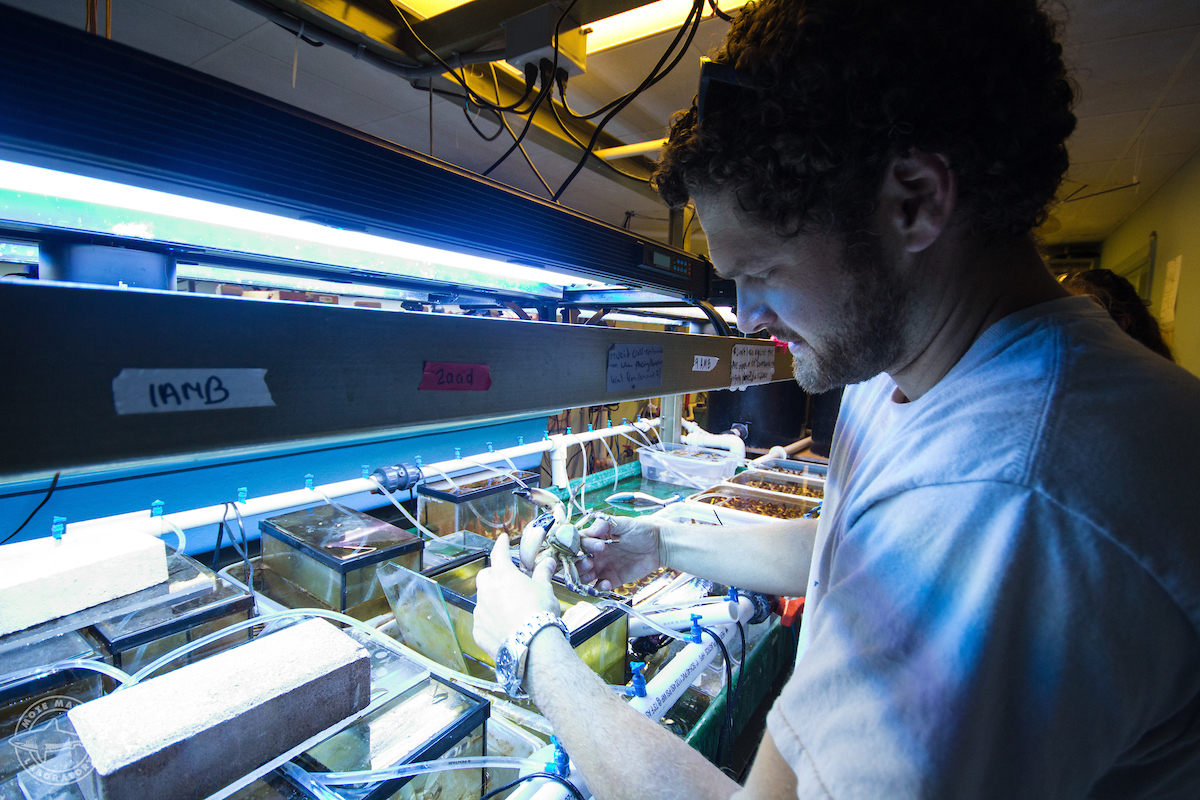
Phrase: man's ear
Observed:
(918, 195)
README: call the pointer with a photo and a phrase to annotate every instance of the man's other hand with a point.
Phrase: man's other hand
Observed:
(622, 549)
(506, 597)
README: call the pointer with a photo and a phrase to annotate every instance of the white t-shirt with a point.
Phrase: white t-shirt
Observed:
(1005, 596)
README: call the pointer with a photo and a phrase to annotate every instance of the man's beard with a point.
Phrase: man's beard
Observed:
(869, 336)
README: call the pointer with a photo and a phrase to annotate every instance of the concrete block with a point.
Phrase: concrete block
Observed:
(44, 579)
(192, 731)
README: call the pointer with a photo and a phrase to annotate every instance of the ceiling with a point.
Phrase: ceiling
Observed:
(1135, 61)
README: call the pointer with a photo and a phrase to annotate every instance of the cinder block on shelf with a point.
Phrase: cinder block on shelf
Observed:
(197, 729)
(43, 579)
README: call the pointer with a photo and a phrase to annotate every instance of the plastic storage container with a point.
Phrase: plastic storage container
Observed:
(198, 604)
(794, 467)
(743, 503)
(785, 483)
(330, 553)
(482, 503)
(431, 720)
(599, 638)
(686, 465)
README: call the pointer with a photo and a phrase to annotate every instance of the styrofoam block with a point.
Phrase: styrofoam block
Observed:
(44, 579)
(192, 731)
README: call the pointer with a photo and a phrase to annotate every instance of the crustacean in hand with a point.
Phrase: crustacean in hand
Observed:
(552, 535)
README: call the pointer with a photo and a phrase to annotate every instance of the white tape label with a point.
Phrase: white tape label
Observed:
(704, 363)
(750, 365)
(156, 391)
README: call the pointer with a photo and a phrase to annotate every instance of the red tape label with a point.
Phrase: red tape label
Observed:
(443, 376)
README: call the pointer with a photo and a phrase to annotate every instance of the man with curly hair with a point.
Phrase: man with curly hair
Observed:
(1003, 589)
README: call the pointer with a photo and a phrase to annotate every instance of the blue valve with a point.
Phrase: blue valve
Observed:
(308, 480)
(241, 494)
(624, 420)
(489, 447)
(695, 631)
(57, 528)
(561, 765)
(608, 423)
(418, 459)
(520, 441)
(457, 453)
(638, 689)
(156, 508)
(545, 435)
(733, 594)
(366, 471)
(590, 428)
(568, 430)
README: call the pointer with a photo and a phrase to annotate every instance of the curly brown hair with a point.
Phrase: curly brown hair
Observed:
(840, 87)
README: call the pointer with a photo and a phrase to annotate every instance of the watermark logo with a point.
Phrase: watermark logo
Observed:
(46, 744)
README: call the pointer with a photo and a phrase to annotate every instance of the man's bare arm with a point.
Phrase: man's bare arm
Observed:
(621, 753)
(771, 557)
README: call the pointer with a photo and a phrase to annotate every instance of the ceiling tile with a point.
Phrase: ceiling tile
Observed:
(1097, 20)
(1128, 73)
(1151, 171)
(68, 12)
(1174, 129)
(1187, 88)
(223, 17)
(1101, 138)
(338, 68)
(272, 77)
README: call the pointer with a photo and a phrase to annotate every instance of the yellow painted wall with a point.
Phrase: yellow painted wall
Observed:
(1174, 213)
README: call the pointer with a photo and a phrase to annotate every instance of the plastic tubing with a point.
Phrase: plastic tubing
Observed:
(710, 614)
(421, 528)
(605, 602)
(300, 613)
(420, 768)
(181, 545)
(118, 675)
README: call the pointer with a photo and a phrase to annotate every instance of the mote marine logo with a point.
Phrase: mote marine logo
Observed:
(46, 744)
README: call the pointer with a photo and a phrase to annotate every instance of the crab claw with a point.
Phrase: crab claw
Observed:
(532, 538)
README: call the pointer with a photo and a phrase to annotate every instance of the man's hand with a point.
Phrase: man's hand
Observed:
(622, 549)
(506, 597)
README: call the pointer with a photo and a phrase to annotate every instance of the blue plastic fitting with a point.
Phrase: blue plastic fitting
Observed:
(590, 428)
(561, 765)
(57, 527)
(608, 423)
(366, 470)
(242, 494)
(638, 687)
(457, 452)
(624, 420)
(695, 631)
(308, 480)
(733, 594)
(418, 459)
(156, 508)
(489, 447)
(520, 441)
(545, 435)
(568, 430)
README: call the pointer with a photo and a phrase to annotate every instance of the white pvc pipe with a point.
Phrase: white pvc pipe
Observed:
(142, 522)
(726, 441)
(680, 619)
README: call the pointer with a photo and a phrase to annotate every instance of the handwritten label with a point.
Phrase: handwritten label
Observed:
(157, 391)
(750, 365)
(634, 366)
(704, 363)
(446, 376)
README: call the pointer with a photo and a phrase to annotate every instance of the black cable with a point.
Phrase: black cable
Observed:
(476, 98)
(570, 787)
(582, 146)
(475, 127)
(694, 18)
(46, 499)
(718, 12)
(729, 696)
(521, 147)
(528, 124)
(652, 79)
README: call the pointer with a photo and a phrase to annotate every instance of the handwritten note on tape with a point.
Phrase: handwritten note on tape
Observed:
(157, 391)
(447, 376)
(750, 365)
(634, 366)
(704, 363)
